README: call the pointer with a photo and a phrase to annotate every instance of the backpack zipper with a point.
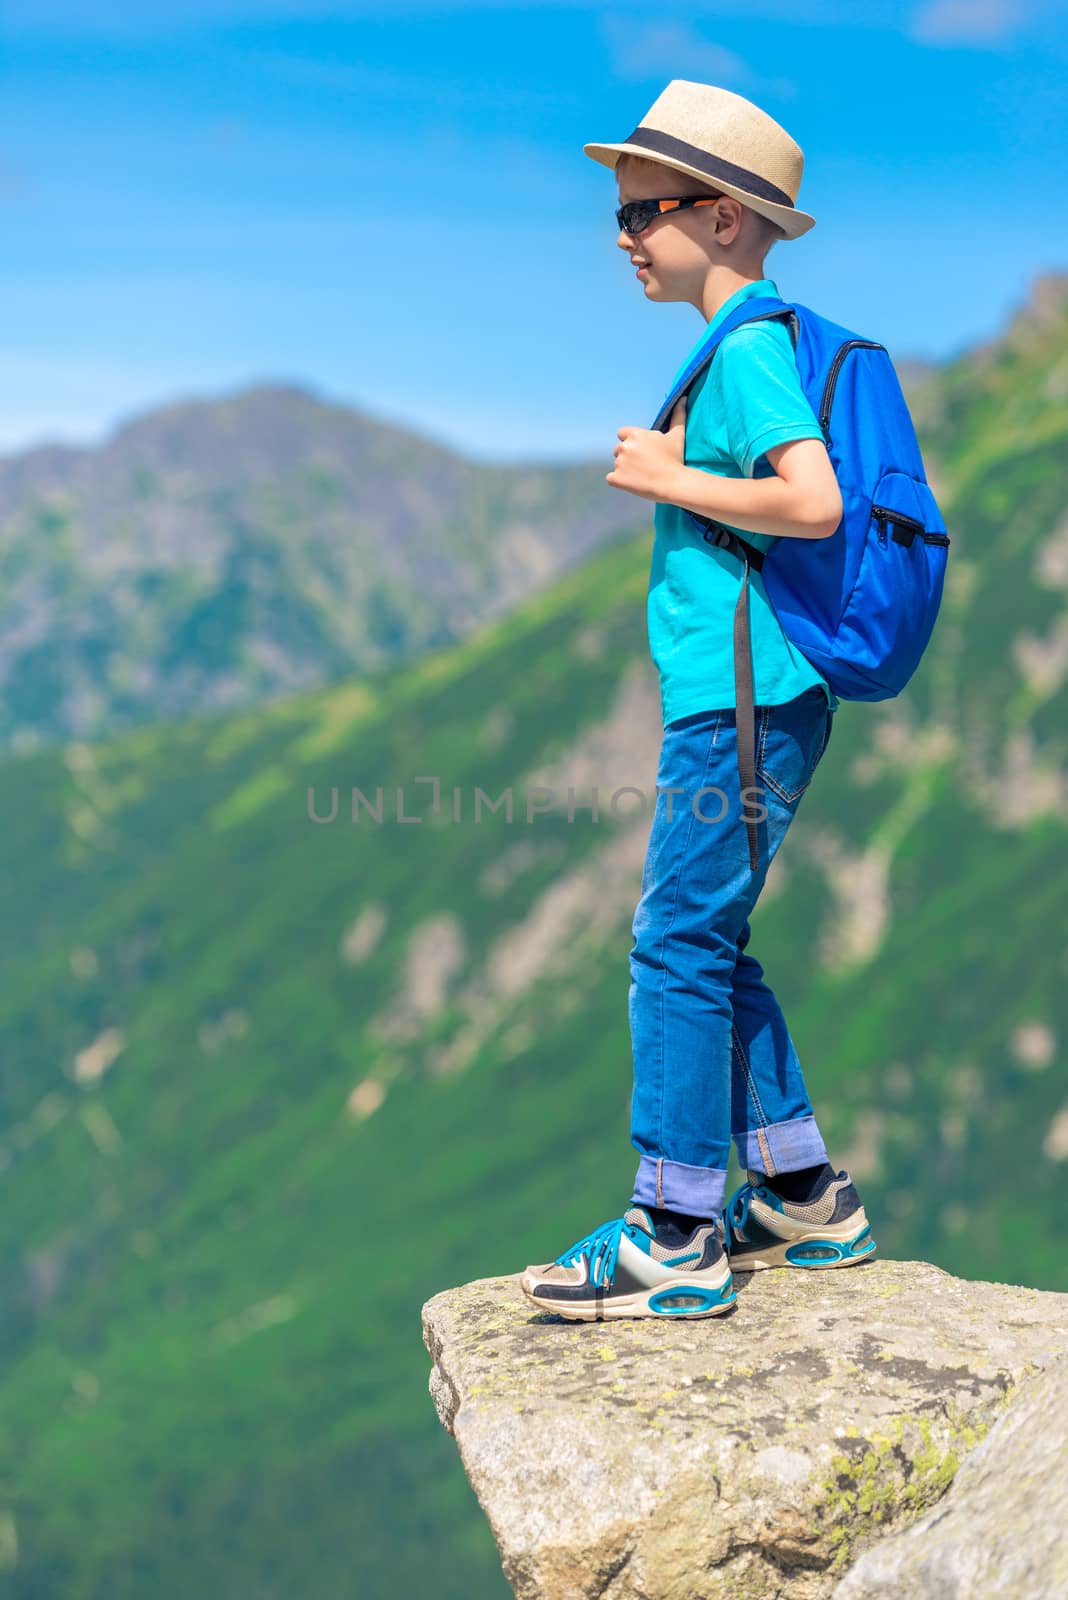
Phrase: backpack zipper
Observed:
(883, 516)
(832, 378)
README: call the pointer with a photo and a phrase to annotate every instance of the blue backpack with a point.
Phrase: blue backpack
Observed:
(861, 604)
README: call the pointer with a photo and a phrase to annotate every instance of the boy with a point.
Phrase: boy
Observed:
(707, 183)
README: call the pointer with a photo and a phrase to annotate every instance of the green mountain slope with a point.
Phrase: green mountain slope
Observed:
(267, 1082)
(216, 554)
(211, 1263)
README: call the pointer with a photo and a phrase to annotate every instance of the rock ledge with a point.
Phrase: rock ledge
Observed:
(752, 1455)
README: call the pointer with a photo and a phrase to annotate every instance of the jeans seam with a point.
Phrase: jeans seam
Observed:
(749, 1079)
(787, 796)
(663, 941)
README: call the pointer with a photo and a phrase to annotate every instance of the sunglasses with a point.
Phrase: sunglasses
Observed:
(636, 215)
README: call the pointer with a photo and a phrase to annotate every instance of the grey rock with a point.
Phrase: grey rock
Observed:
(750, 1455)
(1000, 1528)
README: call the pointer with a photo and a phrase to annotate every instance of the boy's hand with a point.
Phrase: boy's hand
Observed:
(648, 461)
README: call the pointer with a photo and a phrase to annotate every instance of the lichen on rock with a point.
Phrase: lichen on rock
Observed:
(752, 1456)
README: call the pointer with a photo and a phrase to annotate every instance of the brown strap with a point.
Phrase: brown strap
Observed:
(744, 709)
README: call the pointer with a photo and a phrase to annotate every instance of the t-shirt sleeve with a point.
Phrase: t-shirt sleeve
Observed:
(755, 386)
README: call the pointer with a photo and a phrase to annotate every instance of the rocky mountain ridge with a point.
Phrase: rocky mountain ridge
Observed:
(215, 554)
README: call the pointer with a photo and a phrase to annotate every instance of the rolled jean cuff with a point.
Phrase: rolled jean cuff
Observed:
(695, 1191)
(781, 1146)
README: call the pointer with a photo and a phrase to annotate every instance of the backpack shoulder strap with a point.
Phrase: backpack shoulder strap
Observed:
(755, 310)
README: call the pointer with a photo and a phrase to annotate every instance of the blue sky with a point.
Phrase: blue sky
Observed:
(391, 204)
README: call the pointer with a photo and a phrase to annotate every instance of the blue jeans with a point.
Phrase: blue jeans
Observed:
(713, 1056)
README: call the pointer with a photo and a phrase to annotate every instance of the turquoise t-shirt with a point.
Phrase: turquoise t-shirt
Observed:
(749, 400)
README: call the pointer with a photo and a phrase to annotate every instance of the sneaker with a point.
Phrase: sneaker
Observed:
(764, 1230)
(622, 1269)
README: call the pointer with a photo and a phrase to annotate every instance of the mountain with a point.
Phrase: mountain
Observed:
(217, 554)
(274, 1070)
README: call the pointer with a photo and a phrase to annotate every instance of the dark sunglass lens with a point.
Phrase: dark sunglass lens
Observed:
(637, 214)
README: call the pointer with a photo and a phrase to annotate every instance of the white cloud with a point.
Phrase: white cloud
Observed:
(975, 22)
(653, 49)
(667, 49)
(132, 19)
(980, 22)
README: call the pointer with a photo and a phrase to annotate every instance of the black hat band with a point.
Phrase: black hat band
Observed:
(714, 167)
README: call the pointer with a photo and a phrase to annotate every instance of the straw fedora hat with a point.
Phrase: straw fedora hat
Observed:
(725, 140)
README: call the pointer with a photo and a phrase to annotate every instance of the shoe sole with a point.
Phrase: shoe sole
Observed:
(690, 1298)
(817, 1253)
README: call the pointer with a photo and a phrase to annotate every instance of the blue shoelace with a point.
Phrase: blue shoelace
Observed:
(736, 1215)
(601, 1250)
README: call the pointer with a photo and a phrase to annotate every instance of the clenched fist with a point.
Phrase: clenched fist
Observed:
(648, 461)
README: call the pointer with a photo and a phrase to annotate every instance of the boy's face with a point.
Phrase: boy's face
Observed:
(678, 247)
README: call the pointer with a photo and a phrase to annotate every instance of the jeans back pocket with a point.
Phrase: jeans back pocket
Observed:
(791, 740)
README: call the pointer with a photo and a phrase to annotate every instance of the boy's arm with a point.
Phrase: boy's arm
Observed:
(753, 388)
(801, 501)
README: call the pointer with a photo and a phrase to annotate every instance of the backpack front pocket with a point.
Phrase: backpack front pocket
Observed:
(894, 602)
